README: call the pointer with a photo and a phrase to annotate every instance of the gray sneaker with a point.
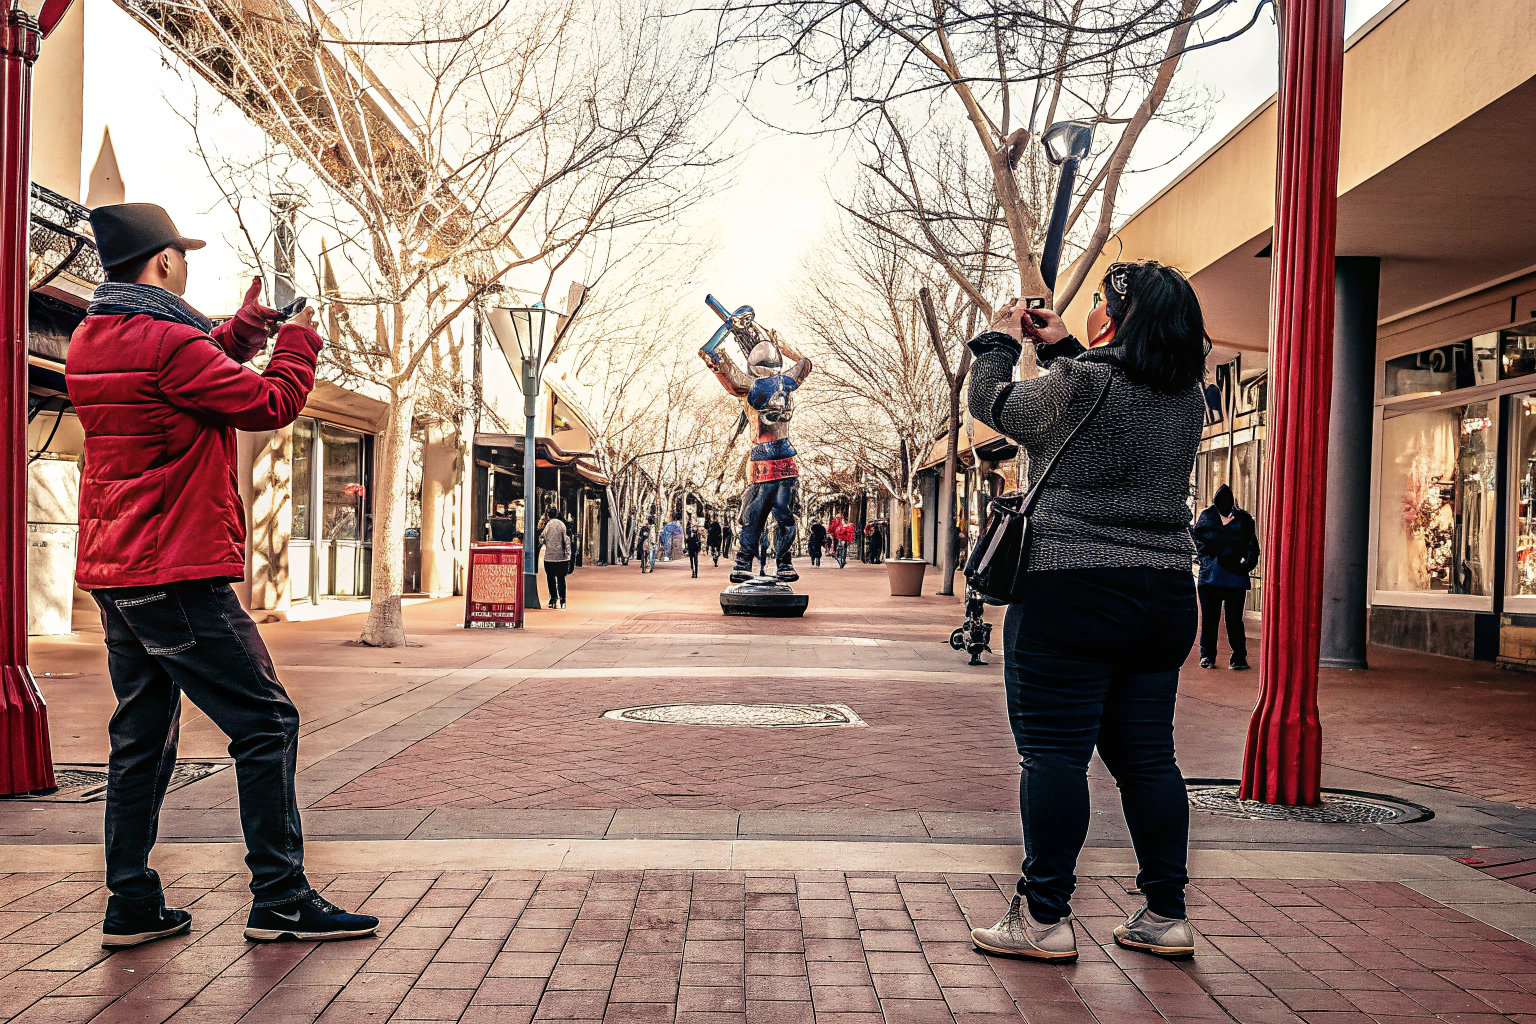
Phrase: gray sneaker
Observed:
(1168, 937)
(1019, 934)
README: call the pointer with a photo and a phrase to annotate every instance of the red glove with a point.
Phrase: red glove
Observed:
(251, 326)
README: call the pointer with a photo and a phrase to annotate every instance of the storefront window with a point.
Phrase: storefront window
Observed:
(343, 484)
(1522, 580)
(1517, 350)
(1438, 476)
(1446, 368)
(303, 467)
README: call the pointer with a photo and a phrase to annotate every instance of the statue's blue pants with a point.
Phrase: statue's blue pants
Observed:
(778, 498)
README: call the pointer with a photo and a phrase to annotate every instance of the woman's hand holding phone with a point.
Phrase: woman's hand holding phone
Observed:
(1041, 326)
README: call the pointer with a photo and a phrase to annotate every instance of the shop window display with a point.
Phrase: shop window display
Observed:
(1438, 475)
(1522, 580)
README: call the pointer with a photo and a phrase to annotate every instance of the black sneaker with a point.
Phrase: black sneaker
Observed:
(741, 575)
(310, 919)
(1238, 664)
(787, 574)
(135, 922)
(1207, 662)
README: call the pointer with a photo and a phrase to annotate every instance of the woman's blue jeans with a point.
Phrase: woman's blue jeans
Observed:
(1091, 659)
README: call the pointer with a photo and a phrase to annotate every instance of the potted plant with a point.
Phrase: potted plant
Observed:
(906, 576)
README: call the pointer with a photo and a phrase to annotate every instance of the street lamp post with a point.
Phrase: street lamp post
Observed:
(26, 758)
(520, 332)
(1066, 144)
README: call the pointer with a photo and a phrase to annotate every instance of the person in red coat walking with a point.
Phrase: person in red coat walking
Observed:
(160, 393)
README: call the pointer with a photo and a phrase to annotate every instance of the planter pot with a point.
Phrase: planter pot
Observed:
(906, 576)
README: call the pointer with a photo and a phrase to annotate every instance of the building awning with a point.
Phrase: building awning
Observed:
(550, 455)
(988, 443)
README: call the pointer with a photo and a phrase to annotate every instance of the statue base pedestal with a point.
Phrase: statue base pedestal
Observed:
(764, 596)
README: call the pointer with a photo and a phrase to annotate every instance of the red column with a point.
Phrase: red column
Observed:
(1283, 762)
(26, 762)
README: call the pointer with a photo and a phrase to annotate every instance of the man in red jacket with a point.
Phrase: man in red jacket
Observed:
(160, 393)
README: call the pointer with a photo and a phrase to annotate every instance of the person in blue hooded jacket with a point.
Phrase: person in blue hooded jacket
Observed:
(1227, 544)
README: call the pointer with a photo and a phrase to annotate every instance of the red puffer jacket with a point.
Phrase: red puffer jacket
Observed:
(160, 403)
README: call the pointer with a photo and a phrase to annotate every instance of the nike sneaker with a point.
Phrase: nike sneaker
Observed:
(311, 918)
(135, 922)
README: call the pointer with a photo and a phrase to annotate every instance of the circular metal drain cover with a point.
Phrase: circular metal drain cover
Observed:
(1339, 807)
(756, 716)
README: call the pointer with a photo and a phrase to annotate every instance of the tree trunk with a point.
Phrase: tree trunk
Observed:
(944, 528)
(386, 625)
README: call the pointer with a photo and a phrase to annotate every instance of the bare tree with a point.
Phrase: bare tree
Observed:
(451, 144)
(880, 402)
(945, 97)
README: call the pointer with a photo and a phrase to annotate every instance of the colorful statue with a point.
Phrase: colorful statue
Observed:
(767, 389)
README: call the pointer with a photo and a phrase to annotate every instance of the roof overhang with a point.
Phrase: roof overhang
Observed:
(1437, 171)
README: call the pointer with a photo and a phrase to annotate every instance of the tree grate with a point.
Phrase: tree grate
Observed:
(86, 783)
(1338, 807)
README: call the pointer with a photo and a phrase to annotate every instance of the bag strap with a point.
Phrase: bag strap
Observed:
(1027, 505)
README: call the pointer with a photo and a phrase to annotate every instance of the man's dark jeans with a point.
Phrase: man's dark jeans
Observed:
(194, 638)
(1092, 658)
(1212, 602)
(778, 498)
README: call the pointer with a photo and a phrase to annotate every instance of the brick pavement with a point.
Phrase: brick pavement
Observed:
(673, 947)
(543, 744)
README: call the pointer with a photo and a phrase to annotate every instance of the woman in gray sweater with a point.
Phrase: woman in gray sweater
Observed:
(1092, 650)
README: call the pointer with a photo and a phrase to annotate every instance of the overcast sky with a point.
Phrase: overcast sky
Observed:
(780, 205)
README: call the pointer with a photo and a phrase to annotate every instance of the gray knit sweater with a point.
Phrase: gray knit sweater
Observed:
(1120, 496)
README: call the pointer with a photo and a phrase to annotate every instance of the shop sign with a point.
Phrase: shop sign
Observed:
(494, 596)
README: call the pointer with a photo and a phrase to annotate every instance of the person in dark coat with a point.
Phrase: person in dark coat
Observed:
(713, 530)
(1227, 544)
(816, 540)
(693, 543)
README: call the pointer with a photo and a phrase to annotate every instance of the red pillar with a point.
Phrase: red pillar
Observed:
(26, 762)
(1283, 762)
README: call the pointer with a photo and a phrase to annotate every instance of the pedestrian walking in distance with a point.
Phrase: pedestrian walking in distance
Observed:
(815, 540)
(556, 540)
(694, 543)
(1094, 638)
(1228, 547)
(713, 529)
(160, 393)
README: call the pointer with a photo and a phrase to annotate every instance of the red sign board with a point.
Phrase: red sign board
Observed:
(494, 596)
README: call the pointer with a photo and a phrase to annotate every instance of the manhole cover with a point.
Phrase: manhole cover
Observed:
(83, 783)
(1339, 807)
(758, 716)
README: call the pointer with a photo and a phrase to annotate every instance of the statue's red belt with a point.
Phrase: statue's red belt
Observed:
(765, 470)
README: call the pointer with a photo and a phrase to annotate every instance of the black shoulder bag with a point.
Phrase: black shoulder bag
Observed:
(1000, 558)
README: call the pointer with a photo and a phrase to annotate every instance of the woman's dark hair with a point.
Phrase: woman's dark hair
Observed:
(1160, 338)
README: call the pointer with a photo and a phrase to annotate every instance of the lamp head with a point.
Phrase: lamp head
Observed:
(1067, 139)
(520, 331)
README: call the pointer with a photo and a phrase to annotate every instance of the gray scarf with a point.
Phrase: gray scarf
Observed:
(119, 298)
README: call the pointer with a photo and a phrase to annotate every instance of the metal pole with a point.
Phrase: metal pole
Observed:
(1050, 256)
(26, 760)
(1283, 761)
(530, 502)
(316, 509)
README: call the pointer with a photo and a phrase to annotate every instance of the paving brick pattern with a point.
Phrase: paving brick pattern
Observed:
(1517, 867)
(670, 947)
(543, 744)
